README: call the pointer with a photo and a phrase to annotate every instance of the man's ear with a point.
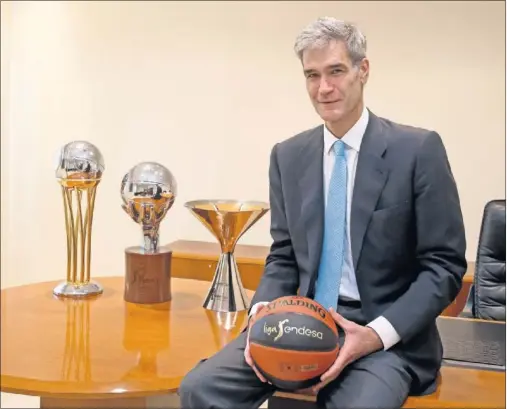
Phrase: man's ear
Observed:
(364, 70)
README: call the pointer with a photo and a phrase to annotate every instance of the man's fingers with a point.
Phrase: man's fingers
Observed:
(342, 322)
(249, 361)
(259, 375)
(318, 387)
(248, 358)
(333, 372)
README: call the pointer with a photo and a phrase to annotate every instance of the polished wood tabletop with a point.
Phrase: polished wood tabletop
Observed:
(245, 254)
(104, 346)
(464, 388)
(198, 260)
(458, 388)
(105, 352)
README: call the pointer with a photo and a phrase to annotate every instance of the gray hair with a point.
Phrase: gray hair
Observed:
(326, 29)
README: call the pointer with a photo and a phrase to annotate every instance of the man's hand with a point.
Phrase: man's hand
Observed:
(359, 341)
(248, 357)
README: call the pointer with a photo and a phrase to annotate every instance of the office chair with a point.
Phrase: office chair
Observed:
(486, 299)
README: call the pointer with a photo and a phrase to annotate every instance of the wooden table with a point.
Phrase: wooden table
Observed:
(458, 388)
(198, 260)
(104, 352)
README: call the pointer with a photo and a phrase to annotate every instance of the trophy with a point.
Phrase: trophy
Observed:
(79, 171)
(227, 220)
(148, 191)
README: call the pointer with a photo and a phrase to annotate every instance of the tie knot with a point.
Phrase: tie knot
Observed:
(339, 148)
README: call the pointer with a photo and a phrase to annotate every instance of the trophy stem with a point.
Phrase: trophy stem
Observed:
(88, 222)
(69, 222)
(80, 234)
(226, 293)
(78, 225)
(150, 238)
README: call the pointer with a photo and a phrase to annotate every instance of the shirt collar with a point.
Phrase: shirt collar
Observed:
(352, 138)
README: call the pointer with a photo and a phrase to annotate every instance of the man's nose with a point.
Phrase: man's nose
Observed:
(324, 86)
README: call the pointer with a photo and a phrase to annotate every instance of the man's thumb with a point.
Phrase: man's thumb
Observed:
(342, 322)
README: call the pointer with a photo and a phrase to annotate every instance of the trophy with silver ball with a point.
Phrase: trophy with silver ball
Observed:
(148, 191)
(79, 171)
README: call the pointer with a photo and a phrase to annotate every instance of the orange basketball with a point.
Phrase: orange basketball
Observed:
(293, 341)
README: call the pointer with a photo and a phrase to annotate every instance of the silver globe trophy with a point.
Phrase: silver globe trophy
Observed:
(148, 191)
(79, 170)
(227, 220)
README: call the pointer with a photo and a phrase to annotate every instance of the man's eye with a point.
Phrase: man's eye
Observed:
(337, 71)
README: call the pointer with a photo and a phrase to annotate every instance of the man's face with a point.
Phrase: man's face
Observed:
(334, 84)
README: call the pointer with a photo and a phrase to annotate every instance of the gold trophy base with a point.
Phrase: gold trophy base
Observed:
(78, 290)
(147, 276)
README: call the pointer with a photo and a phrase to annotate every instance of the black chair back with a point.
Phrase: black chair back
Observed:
(489, 279)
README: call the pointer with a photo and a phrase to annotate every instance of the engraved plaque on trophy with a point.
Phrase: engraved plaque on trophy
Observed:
(79, 171)
(227, 220)
(148, 191)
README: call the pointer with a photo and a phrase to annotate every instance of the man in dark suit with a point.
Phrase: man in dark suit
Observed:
(365, 219)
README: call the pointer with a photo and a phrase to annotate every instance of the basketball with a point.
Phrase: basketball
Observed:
(293, 341)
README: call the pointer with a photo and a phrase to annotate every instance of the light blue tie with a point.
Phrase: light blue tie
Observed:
(333, 246)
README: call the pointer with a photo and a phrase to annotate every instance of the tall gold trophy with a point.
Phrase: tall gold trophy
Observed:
(227, 220)
(79, 171)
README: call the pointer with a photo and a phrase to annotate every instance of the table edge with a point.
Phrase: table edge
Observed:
(43, 392)
(40, 388)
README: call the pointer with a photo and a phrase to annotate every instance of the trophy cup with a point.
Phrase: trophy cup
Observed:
(227, 220)
(79, 171)
(148, 191)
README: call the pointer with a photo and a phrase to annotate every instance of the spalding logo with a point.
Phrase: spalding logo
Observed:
(285, 329)
(300, 302)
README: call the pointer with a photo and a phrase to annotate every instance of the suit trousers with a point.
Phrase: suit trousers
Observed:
(225, 381)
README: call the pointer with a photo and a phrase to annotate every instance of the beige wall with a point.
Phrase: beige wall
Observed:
(207, 89)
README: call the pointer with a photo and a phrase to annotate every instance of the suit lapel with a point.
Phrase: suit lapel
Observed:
(371, 176)
(311, 180)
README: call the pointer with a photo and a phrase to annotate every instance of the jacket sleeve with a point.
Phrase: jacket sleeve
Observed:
(441, 243)
(281, 275)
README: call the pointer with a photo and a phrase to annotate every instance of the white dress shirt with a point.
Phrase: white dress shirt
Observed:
(348, 285)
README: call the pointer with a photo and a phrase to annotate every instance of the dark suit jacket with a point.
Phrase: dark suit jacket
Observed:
(407, 232)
